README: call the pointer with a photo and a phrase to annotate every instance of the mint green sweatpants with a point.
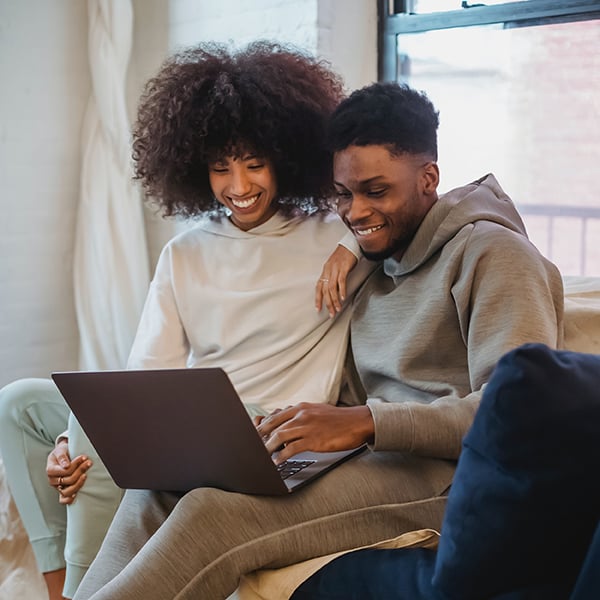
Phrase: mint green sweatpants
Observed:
(32, 415)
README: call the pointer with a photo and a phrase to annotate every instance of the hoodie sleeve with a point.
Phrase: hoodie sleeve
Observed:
(504, 294)
(160, 341)
(349, 242)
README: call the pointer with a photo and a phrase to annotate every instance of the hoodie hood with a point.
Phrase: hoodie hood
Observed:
(482, 200)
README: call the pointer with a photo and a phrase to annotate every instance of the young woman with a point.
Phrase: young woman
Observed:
(235, 139)
(238, 139)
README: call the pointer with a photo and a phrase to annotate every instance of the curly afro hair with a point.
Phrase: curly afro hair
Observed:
(387, 114)
(209, 101)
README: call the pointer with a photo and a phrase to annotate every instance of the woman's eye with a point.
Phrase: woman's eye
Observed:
(255, 167)
(219, 169)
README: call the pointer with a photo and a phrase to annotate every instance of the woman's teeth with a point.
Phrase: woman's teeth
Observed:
(239, 203)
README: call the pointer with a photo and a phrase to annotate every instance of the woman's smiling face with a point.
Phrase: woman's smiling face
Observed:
(246, 185)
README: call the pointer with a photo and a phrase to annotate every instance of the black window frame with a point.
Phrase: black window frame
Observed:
(395, 19)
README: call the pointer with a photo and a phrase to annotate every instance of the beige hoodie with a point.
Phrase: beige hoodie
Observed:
(428, 330)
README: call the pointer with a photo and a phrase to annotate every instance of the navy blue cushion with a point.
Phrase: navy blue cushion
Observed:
(588, 580)
(526, 494)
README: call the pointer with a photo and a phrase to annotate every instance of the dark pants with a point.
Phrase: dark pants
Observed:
(406, 573)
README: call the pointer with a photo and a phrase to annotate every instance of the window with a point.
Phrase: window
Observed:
(518, 89)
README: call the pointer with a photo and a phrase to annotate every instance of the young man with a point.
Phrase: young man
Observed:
(458, 285)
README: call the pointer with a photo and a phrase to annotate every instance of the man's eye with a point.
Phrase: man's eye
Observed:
(376, 193)
(342, 194)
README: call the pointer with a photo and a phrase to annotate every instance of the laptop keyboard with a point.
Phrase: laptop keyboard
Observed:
(291, 467)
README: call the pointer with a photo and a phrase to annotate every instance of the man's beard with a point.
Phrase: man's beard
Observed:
(392, 249)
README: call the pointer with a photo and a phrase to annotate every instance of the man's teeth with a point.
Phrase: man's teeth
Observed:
(245, 203)
(369, 230)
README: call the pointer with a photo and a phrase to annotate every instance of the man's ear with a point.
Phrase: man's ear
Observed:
(430, 178)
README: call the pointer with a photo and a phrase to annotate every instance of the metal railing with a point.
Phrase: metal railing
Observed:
(554, 213)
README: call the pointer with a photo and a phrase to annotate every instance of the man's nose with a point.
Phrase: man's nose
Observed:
(358, 207)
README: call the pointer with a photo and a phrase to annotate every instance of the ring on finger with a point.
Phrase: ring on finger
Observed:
(60, 482)
(324, 280)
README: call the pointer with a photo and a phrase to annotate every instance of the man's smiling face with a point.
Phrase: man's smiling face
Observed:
(383, 197)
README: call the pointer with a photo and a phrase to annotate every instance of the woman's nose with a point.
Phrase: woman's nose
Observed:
(240, 184)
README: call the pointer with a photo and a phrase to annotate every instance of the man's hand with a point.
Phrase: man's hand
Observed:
(331, 286)
(66, 475)
(315, 427)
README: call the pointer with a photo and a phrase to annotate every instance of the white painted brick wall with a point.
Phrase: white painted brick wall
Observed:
(344, 32)
(45, 84)
(347, 38)
(241, 21)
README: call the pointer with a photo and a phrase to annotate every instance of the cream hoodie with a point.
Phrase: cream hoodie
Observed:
(244, 301)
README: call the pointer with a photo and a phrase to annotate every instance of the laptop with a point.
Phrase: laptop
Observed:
(179, 429)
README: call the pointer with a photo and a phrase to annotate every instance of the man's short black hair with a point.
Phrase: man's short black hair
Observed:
(386, 114)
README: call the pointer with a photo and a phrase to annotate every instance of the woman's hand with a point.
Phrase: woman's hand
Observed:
(331, 286)
(66, 475)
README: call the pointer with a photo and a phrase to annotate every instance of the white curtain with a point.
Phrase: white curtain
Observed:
(111, 271)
